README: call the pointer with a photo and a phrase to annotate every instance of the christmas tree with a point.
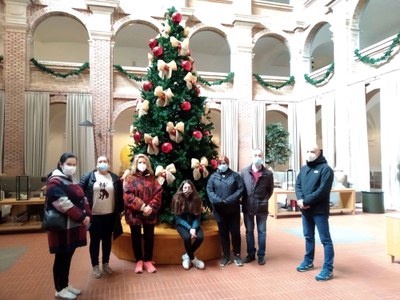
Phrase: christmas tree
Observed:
(172, 126)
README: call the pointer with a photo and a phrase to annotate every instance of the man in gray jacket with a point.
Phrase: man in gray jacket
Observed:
(259, 186)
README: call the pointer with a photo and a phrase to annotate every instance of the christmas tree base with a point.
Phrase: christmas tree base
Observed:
(168, 245)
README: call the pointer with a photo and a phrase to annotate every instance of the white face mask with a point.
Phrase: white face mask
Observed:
(142, 167)
(68, 170)
(257, 161)
(311, 156)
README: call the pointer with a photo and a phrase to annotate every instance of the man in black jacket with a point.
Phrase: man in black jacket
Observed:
(259, 186)
(313, 187)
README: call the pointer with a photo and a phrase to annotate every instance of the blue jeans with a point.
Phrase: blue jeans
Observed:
(309, 223)
(261, 220)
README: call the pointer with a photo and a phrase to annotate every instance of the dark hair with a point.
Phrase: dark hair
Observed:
(64, 158)
(180, 203)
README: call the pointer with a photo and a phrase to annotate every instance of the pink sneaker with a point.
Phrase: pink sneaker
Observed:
(139, 267)
(148, 265)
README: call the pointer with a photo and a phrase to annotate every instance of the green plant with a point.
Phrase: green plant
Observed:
(277, 148)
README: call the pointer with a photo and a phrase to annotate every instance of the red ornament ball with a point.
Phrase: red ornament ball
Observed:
(147, 86)
(207, 133)
(137, 136)
(214, 164)
(166, 147)
(152, 43)
(185, 106)
(187, 65)
(176, 17)
(197, 91)
(197, 135)
(158, 51)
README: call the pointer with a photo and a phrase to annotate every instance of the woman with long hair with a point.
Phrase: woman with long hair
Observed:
(187, 205)
(142, 199)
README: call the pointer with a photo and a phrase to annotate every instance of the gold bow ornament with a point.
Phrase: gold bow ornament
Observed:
(152, 144)
(142, 107)
(166, 31)
(150, 58)
(175, 132)
(183, 47)
(166, 174)
(165, 69)
(190, 80)
(199, 167)
(163, 96)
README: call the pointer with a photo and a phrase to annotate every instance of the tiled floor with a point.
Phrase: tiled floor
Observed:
(363, 270)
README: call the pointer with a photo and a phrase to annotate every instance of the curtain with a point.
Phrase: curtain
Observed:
(306, 124)
(328, 128)
(2, 104)
(36, 132)
(359, 157)
(229, 134)
(294, 162)
(258, 126)
(80, 140)
(390, 140)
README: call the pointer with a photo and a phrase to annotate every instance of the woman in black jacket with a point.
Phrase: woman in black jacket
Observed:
(224, 189)
(103, 190)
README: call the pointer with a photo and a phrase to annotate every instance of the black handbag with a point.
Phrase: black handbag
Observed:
(53, 220)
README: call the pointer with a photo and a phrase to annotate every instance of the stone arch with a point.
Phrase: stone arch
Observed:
(120, 108)
(311, 35)
(214, 28)
(121, 23)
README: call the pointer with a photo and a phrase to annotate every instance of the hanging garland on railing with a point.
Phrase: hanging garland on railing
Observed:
(372, 61)
(130, 76)
(327, 73)
(218, 82)
(291, 81)
(62, 75)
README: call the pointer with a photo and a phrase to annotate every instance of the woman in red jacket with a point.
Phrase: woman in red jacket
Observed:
(142, 199)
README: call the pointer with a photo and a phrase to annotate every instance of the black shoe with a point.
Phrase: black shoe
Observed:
(261, 260)
(224, 262)
(249, 259)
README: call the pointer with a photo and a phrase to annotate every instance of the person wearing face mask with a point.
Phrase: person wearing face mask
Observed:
(66, 196)
(186, 205)
(103, 190)
(224, 189)
(259, 186)
(142, 200)
(313, 188)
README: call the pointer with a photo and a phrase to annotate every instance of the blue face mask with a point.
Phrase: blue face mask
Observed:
(223, 168)
(257, 161)
(102, 166)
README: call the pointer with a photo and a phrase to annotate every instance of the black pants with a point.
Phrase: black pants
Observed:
(229, 227)
(101, 229)
(62, 263)
(148, 236)
(187, 240)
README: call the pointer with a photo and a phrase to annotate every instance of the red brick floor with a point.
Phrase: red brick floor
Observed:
(363, 270)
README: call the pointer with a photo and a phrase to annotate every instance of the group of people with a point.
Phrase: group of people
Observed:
(98, 200)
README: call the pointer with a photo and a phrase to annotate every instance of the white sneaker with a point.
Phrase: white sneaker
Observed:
(106, 269)
(96, 272)
(73, 290)
(186, 263)
(185, 256)
(199, 264)
(65, 294)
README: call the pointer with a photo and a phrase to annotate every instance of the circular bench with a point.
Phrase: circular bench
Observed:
(168, 245)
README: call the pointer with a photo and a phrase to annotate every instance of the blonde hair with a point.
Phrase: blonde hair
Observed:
(133, 167)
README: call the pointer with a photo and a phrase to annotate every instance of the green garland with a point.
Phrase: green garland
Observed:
(218, 82)
(62, 75)
(291, 81)
(327, 73)
(372, 61)
(130, 76)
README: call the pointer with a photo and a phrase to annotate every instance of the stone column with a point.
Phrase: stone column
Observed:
(341, 58)
(15, 69)
(242, 66)
(101, 70)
